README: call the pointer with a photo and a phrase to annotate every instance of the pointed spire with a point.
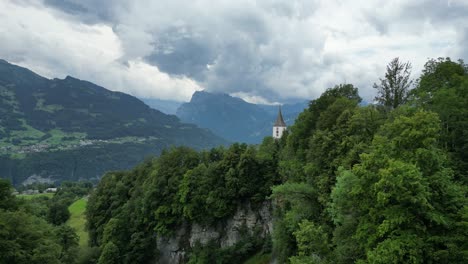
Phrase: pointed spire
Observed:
(279, 120)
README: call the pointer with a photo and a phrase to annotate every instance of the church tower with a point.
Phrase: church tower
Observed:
(280, 126)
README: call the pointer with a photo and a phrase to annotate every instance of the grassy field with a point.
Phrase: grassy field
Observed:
(77, 215)
(30, 196)
(77, 220)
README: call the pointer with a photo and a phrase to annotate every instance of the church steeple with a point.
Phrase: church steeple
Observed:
(279, 120)
(280, 126)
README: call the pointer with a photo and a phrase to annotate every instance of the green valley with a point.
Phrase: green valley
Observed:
(55, 130)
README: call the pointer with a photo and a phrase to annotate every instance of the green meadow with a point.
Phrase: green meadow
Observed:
(77, 220)
(30, 196)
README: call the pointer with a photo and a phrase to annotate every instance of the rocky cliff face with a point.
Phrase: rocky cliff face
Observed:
(227, 233)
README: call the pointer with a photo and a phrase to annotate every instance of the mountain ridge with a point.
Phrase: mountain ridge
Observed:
(76, 118)
(233, 118)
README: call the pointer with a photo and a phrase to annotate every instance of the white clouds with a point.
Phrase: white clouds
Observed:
(264, 51)
(34, 37)
(254, 99)
(31, 35)
(159, 85)
(135, 44)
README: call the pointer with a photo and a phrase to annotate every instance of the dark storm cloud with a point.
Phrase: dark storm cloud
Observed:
(67, 6)
(273, 49)
(223, 61)
(233, 51)
(185, 56)
(436, 11)
(89, 11)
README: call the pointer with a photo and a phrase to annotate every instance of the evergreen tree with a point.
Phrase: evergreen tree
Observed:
(393, 89)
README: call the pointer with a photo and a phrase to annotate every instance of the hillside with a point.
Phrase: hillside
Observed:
(166, 106)
(347, 184)
(72, 129)
(233, 118)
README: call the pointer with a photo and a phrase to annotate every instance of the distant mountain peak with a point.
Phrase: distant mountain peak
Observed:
(205, 94)
(233, 118)
(71, 78)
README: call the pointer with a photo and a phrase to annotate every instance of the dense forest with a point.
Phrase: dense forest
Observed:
(33, 230)
(383, 183)
(129, 210)
(379, 184)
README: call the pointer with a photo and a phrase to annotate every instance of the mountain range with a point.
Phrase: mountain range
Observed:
(70, 129)
(233, 118)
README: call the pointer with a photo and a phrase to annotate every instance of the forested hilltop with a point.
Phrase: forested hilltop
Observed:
(72, 129)
(383, 183)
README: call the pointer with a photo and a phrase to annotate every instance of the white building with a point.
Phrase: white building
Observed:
(280, 126)
(51, 190)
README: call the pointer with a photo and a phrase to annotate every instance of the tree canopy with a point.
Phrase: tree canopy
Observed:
(383, 183)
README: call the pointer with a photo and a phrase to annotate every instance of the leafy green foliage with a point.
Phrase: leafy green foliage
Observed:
(26, 237)
(313, 242)
(400, 218)
(110, 254)
(378, 185)
(68, 239)
(438, 74)
(308, 120)
(350, 184)
(7, 200)
(443, 88)
(88, 255)
(57, 207)
(131, 209)
(58, 213)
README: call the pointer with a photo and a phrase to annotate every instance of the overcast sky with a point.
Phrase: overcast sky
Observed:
(262, 51)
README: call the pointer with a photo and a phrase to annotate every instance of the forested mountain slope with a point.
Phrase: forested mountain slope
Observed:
(72, 129)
